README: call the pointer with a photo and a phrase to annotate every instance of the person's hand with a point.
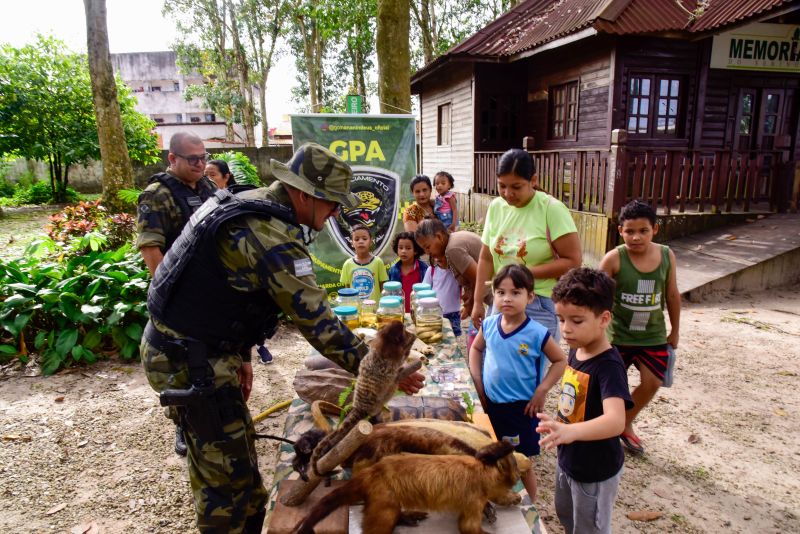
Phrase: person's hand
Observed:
(673, 338)
(245, 373)
(536, 404)
(412, 383)
(553, 433)
(478, 313)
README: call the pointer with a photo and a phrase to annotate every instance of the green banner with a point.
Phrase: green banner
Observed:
(381, 149)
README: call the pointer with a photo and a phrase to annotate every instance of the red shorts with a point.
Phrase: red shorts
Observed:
(653, 357)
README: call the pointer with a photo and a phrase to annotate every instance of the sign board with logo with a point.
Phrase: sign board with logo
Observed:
(758, 47)
(381, 151)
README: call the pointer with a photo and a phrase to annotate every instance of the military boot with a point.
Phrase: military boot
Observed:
(180, 441)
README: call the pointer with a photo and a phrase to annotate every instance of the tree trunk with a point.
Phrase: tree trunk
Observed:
(308, 55)
(117, 169)
(243, 68)
(394, 62)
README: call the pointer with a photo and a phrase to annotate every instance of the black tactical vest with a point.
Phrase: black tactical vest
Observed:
(189, 292)
(187, 199)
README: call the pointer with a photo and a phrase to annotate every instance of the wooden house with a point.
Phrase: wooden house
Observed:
(690, 105)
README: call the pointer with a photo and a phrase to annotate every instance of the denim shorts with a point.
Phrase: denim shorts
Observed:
(543, 311)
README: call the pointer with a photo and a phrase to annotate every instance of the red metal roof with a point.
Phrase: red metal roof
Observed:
(534, 22)
(649, 16)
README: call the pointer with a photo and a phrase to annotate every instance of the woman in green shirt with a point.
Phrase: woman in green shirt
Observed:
(527, 226)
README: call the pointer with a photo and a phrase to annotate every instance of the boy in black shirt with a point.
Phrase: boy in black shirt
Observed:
(591, 409)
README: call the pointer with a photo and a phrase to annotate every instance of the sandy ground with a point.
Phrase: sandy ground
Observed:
(722, 444)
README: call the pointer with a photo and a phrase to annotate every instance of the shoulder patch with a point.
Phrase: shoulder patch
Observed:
(144, 209)
(303, 267)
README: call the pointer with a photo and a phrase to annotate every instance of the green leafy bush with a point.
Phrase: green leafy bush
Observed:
(23, 194)
(73, 311)
(7, 189)
(242, 170)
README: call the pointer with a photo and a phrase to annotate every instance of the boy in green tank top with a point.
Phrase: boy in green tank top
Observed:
(646, 280)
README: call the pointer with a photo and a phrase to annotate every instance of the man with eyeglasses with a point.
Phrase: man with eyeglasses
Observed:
(166, 205)
(171, 197)
(241, 261)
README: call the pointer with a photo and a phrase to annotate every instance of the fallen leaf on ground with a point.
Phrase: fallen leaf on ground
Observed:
(643, 515)
(56, 508)
(694, 438)
(780, 412)
(85, 528)
(787, 373)
(59, 399)
(730, 238)
(15, 437)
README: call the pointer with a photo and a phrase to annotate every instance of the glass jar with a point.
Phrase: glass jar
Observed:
(368, 317)
(348, 297)
(395, 289)
(427, 294)
(429, 320)
(348, 315)
(415, 289)
(390, 309)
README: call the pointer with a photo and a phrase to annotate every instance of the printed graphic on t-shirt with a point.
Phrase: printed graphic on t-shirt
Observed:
(643, 302)
(511, 247)
(363, 281)
(572, 403)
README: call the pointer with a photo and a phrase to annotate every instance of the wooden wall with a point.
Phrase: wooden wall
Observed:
(454, 85)
(657, 56)
(590, 63)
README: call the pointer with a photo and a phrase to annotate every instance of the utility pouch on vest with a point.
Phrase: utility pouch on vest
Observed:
(199, 403)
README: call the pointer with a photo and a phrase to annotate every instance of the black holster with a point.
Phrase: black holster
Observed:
(198, 406)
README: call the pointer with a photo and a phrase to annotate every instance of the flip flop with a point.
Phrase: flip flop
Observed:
(632, 443)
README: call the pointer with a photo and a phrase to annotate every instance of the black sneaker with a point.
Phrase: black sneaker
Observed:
(264, 354)
(180, 441)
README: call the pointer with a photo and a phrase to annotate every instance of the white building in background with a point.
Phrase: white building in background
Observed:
(159, 88)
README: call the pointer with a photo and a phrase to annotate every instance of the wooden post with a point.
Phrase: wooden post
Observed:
(617, 171)
(338, 454)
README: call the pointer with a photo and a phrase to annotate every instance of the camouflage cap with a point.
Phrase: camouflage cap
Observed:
(317, 171)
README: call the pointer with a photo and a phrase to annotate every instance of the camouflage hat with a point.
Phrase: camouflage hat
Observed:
(317, 171)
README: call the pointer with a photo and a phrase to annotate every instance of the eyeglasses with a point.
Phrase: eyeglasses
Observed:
(194, 160)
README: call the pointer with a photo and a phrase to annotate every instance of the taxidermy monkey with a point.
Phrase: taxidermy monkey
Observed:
(457, 483)
(378, 376)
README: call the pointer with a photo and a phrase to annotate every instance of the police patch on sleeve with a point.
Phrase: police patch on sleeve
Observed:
(303, 267)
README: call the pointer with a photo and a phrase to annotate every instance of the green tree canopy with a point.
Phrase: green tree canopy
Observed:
(46, 111)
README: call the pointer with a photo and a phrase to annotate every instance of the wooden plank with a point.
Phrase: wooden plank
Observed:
(284, 518)
(702, 185)
(656, 183)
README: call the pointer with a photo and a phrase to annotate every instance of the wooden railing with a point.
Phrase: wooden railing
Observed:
(716, 181)
(672, 180)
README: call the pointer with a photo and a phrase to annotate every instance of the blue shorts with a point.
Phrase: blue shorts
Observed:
(455, 321)
(510, 423)
(446, 218)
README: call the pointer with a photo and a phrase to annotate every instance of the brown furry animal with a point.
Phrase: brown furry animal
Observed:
(458, 483)
(378, 376)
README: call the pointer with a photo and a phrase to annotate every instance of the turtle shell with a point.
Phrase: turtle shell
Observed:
(421, 407)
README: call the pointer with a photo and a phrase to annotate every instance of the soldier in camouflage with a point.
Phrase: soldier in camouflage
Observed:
(263, 268)
(165, 207)
(171, 197)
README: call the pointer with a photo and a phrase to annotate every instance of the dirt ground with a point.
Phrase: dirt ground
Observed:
(95, 451)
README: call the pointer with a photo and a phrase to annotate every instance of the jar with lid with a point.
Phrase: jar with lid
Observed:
(415, 289)
(394, 289)
(348, 315)
(348, 297)
(429, 320)
(368, 317)
(389, 309)
(426, 294)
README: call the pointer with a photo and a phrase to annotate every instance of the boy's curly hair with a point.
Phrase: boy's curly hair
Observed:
(585, 287)
(636, 209)
(410, 236)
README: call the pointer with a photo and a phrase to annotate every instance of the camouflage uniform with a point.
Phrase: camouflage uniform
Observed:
(257, 254)
(160, 219)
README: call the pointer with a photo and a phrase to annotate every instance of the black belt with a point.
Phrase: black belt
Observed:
(171, 346)
(175, 347)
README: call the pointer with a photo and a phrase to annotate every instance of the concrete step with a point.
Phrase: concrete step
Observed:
(761, 253)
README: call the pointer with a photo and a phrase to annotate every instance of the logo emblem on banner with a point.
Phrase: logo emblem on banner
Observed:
(379, 191)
